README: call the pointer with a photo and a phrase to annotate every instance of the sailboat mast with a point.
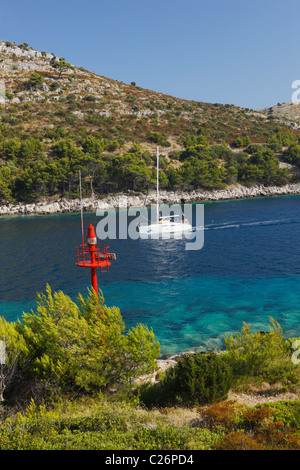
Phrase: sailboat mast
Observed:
(81, 213)
(157, 185)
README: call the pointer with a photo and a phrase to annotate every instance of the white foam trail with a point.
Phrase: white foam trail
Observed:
(230, 225)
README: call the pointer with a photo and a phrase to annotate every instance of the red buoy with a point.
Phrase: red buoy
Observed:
(93, 256)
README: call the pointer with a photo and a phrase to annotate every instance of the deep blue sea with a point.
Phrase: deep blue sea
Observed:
(247, 271)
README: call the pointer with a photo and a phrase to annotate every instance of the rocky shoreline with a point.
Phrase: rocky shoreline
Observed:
(121, 201)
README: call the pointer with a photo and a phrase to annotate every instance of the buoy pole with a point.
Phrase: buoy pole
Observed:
(94, 280)
(81, 214)
(92, 240)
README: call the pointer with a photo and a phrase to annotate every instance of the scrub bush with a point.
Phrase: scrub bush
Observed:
(262, 356)
(238, 440)
(271, 426)
(225, 415)
(196, 379)
(79, 346)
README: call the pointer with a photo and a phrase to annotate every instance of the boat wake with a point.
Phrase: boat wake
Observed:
(236, 225)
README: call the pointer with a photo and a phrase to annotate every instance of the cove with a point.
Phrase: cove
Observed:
(247, 271)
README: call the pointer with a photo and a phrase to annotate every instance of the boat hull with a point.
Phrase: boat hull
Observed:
(167, 228)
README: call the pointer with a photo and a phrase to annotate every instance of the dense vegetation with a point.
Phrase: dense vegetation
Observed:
(69, 382)
(31, 168)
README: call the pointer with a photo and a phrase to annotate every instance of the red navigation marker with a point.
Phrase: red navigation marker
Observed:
(93, 256)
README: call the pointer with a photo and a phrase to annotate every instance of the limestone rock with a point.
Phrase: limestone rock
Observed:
(123, 201)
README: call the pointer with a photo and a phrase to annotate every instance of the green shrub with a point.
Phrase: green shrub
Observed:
(158, 138)
(90, 98)
(196, 379)
(54, 86)
(35, 81)
(264, 356)
(84, 345)
(287, 412)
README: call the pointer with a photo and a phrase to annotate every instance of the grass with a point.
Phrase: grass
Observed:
(100, 423)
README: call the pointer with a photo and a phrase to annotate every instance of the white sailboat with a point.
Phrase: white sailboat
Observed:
(167, 224)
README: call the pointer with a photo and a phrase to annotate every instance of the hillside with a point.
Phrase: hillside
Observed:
(136, 110)
(57, 118)
(288, 113)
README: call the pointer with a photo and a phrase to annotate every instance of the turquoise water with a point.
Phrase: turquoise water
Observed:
(247, 271)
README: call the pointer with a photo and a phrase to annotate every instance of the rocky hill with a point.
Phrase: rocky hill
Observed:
(79, 98)
(287, 113)
(57, 118)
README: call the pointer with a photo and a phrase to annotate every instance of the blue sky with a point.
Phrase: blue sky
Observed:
(219, 51)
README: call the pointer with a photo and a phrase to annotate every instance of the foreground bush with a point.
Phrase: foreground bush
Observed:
(262, 356)
(196, 379)
(80, 345)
